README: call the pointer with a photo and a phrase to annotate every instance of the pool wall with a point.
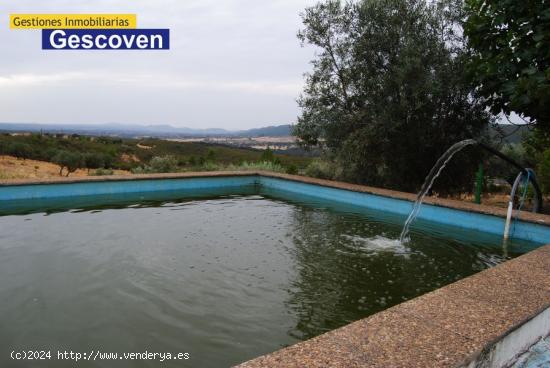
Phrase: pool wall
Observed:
(76, 189)
(531, 227)
(437, 214)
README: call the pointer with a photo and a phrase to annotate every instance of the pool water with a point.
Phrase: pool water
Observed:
(222, 278)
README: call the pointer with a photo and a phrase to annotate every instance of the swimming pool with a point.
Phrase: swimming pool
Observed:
(223, 268)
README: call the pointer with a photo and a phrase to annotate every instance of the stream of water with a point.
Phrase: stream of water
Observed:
(428, 182)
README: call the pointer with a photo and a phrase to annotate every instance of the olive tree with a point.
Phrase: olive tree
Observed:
(387, 94)
(93, 160)
(70, 160)
(509, 43)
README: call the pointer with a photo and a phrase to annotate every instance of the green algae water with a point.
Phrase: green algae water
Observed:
(222, 278)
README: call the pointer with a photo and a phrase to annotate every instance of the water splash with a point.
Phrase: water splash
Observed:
(375, 244)
(428, 182)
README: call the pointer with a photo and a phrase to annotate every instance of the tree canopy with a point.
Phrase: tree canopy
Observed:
(387, 94)
(510, 52)
(70, 160)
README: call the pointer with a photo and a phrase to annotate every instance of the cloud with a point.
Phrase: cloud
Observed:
(148, 80)
(241, 56)
(26, 80)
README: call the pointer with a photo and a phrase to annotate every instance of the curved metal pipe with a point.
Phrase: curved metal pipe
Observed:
(537, 206)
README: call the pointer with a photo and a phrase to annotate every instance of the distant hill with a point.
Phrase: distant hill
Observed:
(270, 131)
(123, 130)
(509, 133)
(133, 130)
(505, 132)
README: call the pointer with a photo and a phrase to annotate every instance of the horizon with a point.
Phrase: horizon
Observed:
(145, 125)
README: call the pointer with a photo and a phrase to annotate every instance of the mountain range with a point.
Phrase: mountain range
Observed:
(505, 132)
(133, 130)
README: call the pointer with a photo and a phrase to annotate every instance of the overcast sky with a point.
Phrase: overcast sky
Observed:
(232, 64)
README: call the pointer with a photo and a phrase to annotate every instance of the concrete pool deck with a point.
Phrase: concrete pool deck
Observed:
(486, 320)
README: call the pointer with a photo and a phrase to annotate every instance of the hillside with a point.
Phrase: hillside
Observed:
(133, 154)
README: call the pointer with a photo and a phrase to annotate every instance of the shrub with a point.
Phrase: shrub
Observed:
(101, 171)
(182, 161)
(211, 156)
(93, 160)
(163, 164)
(269, 156)
(262, 165)
(292, 170)
(158, 164)
(320, 169)
(19, 150)
(109, 159)
(138, 170)
(543, 172)
(210, 166)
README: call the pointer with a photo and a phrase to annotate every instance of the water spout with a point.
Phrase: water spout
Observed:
(444, 160)
(528, 176)
(428, 182)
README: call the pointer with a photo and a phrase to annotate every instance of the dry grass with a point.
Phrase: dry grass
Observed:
(14, 168)
(501, 200)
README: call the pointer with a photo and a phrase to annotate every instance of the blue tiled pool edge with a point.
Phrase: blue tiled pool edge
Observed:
(87, 188)
(438, 214)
